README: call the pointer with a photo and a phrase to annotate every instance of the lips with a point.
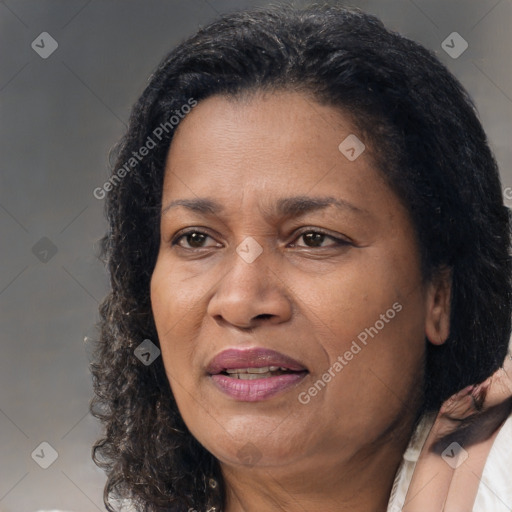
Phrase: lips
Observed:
(255, 374)
(254, 358)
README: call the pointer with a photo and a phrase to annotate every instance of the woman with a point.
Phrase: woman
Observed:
(306, 222)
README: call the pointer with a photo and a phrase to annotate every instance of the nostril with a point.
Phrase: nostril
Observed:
(264, 316)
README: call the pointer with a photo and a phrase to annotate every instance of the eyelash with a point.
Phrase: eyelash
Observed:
(339, 241)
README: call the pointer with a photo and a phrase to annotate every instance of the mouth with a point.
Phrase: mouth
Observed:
(263, 372)
(254, 374)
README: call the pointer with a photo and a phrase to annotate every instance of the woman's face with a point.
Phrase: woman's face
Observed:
(299, 261)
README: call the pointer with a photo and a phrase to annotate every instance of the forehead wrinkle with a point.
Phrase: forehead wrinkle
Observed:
(297, 206)
(203, 205)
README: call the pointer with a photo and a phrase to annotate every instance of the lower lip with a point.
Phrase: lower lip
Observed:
(256, 390)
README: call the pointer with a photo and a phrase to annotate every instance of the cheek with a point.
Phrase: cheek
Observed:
(175, 306)
(371, 314)
(178, 296)
(356, 293)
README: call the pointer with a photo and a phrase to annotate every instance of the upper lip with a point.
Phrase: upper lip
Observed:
(233, 358)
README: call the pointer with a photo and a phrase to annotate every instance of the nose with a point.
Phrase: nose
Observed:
(250, 294)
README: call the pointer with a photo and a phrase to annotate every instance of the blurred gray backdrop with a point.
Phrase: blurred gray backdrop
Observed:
(69, 72)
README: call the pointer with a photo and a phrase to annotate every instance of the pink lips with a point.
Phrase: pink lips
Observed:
(256, 389)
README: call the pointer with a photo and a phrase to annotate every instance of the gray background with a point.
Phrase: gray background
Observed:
(59, 118)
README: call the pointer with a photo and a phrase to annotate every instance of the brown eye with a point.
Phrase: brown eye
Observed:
(194, 240)
(313, 239)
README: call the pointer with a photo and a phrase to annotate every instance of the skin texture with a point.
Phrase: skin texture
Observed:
(341, 450)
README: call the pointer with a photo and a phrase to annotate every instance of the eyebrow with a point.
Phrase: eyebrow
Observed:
(199, 205)
(286, 207)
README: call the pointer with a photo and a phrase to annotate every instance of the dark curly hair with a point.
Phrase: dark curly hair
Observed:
(421, 128)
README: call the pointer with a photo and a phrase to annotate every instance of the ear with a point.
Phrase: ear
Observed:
(437, 319)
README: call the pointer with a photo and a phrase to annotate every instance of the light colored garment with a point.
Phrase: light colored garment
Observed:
(437, 474)
(496, 486)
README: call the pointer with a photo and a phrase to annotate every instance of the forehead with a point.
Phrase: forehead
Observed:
(268, 146)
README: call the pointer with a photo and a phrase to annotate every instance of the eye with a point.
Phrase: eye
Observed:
(194, 240)
(315, 238)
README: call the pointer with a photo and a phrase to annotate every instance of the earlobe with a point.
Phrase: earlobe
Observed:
(437, 319)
